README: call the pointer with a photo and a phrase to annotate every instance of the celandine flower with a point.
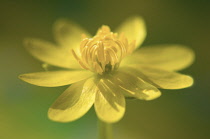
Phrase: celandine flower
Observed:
(105, 68)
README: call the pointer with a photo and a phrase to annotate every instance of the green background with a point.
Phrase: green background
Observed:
(177, 114)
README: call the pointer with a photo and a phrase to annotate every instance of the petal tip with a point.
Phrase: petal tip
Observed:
(22, 77)
(110, 120)
(153, 95)
(189, 81)
(57, 115)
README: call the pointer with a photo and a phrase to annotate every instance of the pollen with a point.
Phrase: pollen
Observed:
(104, 52)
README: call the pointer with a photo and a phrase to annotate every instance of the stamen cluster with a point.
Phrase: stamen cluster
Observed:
(104, 52)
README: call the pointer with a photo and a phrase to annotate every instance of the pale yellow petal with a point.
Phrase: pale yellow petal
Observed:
(51, 54)
(74, 102)
(109, 102)
(134, 29)
(165, 79)
(134, 85)
(68, 34)
(167, 57)
(55, 78)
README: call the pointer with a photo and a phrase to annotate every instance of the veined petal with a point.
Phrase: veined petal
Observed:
(134, 29)
(134, 85)
(167, 57)
(165, 79)
(55, 78)
(51, 54)
(109, 102)
(68, 34)
(74, 102)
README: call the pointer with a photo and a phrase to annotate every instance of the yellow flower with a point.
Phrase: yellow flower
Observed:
(105, 68)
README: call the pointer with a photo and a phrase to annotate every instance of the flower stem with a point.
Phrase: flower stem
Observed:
(105, 130)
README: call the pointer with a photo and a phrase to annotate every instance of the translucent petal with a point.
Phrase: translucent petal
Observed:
(68, 34)
(167, 57)
(109, 102)
(134, 85)
(74, 102)
(134, 29)
(55, 78)
(51, 54)
(165, 79)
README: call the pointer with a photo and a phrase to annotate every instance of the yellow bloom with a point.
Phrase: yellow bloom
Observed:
(105, 68)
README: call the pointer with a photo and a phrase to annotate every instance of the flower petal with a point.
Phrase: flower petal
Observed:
(51, 54)
(74, 102)
(68, 34)
(168, 57)
(55, 78)
(134, 29)
(134, 85)
(109, 102)
(165, 79)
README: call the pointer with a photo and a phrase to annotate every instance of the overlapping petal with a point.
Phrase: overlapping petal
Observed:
(134, 29)
(55, 78)
(51, 54)
(168, 57)
(109, 102)
(74, 102)
(163, 78)
(134, 85)
(69, 34)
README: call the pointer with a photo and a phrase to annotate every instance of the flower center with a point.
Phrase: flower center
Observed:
(104, 52)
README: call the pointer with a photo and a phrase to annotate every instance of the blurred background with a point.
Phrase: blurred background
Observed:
(177, 114)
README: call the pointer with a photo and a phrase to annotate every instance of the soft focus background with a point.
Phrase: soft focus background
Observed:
(177, 114)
